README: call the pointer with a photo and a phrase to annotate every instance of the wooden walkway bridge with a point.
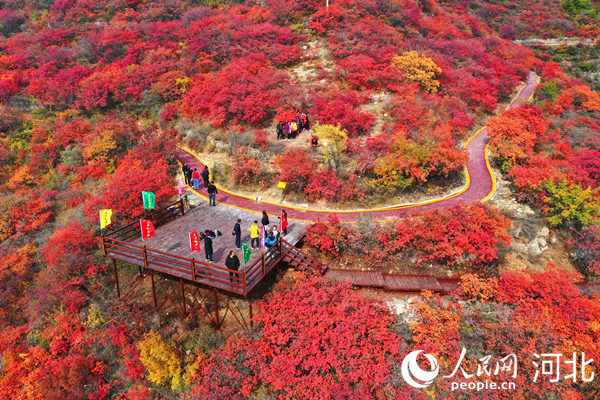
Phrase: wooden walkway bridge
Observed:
(166, 252)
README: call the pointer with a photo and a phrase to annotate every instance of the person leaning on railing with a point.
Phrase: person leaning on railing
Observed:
(233, 263)
(270, 240)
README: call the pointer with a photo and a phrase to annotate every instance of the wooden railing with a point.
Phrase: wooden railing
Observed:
(299, 259)
(181, 267)
(115, 245)
(158, 217)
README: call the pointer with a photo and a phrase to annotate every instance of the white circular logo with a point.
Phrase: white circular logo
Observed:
(414, 375)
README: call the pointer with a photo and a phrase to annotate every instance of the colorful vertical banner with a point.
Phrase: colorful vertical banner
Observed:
(147, 228)
(263, 235)
(149, 200)
(194, 241)
(105, 218)
(247, 253)
(179, 188)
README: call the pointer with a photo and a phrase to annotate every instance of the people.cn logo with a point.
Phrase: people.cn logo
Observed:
(414, 375)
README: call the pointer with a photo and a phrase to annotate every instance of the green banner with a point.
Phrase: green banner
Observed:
(149, 199)
(247, 253)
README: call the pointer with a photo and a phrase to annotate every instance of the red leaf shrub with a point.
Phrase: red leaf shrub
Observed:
(247, 90)
(244, 168)
(326, 185)
(143, 169)
(317, 341)
(295, 167)
(342, 108)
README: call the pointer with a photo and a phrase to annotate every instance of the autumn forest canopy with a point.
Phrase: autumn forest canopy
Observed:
(96, 97)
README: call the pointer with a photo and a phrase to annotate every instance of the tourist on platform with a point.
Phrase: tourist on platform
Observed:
(283, 222)
(196, 179)
(205, 176)
(254, 235)
(265, 219)
(237, 232)
(232, 262)
(208, 247)
(276, 233)
(270, 241)
(212, 193)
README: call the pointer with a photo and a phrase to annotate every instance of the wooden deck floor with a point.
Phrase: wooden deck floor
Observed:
(173, 237)
(401, 283)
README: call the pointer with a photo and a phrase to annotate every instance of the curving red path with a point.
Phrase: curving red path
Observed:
(480, 182)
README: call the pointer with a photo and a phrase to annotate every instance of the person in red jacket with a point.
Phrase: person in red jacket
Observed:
(196, 179)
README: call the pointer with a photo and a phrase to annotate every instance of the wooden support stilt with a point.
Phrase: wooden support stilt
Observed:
(182, 297)
(217, 310)
(250, 307)
(114, 262)
(153, 290)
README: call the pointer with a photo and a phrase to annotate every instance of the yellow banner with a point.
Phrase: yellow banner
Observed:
(105, 218)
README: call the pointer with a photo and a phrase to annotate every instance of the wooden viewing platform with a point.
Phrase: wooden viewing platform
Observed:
(168, 252)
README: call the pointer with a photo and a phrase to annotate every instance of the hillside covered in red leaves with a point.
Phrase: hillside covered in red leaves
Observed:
(95, 96)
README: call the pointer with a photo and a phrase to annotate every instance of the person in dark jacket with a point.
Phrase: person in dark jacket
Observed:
(279, 131)
(188, 176)
(212, 193)
(205, 176)
(237, 232)
(208, 248)
(265, 219)
(232, 262)
(184, 170)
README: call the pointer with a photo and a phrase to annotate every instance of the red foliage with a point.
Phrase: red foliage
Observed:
(317, 341)
(516, 132)
(295, 167)
(247, 90)
(326, 185)
(140, 170)
(326, 236)
(342, 108)
(244, 168)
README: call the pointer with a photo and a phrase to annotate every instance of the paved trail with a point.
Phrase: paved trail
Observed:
(480, 183)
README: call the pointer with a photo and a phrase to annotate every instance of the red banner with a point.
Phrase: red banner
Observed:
(194, 241)
(283, 223)
(147, 228)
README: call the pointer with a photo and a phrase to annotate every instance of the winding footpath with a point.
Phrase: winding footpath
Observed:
(480, 185)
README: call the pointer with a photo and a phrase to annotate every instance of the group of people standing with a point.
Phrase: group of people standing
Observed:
(192, 178)
(291, 129)
(260, 236)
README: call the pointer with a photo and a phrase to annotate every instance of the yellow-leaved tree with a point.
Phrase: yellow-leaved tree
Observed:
(161, 360)
(419, 69)
(333, 142)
